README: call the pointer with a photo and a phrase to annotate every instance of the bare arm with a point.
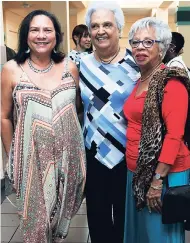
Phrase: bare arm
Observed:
(6, 107)
(74, 71)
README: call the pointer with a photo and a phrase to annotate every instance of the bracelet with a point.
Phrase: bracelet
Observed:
(156, 187)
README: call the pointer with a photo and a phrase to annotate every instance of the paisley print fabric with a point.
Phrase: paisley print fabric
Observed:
(47, 162)
(153, 130)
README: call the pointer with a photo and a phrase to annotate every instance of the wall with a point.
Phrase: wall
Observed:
(73, 23)
(172, 24)
(11, 25)
(76, 18)
(129, 20)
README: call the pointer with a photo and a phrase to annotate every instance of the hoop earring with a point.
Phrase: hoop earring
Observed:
(27, 51)
(54, 50)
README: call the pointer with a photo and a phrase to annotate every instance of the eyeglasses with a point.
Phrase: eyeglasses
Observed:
(147, 43)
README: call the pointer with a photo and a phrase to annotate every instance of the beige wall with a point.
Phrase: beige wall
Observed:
(76, 19)
(73, 23)
(129, 20)
(61, 11)
(11, 25)
(172, 24)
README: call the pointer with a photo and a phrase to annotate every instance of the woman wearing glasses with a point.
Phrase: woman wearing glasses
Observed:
(160, 100)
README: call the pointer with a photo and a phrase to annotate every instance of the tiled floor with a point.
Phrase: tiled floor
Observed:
(78, 232)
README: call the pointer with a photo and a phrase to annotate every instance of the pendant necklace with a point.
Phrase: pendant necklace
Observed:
(109, 61)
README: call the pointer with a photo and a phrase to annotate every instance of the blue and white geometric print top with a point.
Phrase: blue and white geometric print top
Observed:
(104, 90)
(75, 56)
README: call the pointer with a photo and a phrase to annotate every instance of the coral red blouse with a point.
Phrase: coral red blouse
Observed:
(174, 112)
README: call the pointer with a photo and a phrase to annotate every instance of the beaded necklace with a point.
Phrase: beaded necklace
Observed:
(152, 73)
(45, 70)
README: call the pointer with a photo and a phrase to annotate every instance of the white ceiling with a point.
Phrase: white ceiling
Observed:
(23, 8)
(130, 7)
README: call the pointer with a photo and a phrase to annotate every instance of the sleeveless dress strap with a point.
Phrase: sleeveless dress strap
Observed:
(66, 68)
(66, 72)
(66, 65)
(24, 76)
(21, 67)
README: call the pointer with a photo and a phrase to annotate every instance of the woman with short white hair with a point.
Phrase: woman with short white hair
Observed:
(107, 77)
(156, 151)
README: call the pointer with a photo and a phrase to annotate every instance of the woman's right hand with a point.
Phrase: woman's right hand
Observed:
(153, 197)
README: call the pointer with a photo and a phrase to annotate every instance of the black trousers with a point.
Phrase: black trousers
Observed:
(105, 200)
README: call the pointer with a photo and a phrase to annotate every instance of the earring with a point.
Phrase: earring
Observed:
(160, 55)
(54, 50)
(28, 50)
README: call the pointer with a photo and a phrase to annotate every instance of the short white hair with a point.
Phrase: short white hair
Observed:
(162, 31)
(112, 6)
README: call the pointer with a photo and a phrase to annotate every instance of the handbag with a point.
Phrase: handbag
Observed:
(176, 206)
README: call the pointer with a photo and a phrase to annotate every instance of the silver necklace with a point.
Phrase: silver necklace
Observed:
(45, 70)
(109, 61)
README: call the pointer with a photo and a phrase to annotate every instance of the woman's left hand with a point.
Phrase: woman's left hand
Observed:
(153, 196)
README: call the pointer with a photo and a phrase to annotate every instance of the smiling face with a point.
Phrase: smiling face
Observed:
(41, 35)
(104, 30)
(146, 57)
(85, 42)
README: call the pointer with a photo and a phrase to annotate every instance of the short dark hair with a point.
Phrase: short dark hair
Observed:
(178, 40)
(79, 31)
(21, 55)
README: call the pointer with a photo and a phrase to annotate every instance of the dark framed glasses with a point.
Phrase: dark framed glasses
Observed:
(147, 43)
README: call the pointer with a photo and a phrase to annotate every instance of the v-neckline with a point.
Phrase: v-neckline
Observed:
(38, 87)
(142, 94)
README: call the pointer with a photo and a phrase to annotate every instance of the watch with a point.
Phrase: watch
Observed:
(157, 176)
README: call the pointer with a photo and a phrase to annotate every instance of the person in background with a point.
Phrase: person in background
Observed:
(10, 53)
(47, 162)
(156, 150)
(173, 56)
(107, 77)
(83, 45)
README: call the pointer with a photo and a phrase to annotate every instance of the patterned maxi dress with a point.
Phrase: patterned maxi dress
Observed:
(47, 161)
